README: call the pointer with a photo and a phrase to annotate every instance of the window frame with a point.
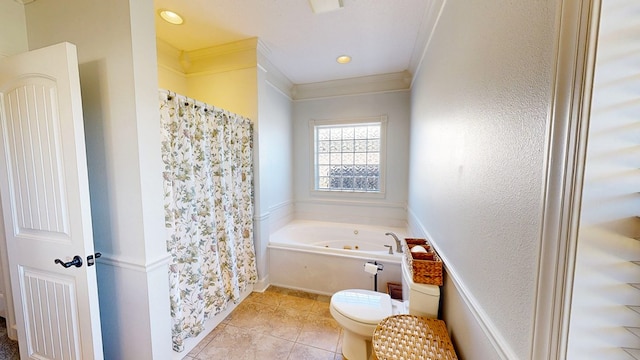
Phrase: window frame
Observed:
(314, 173)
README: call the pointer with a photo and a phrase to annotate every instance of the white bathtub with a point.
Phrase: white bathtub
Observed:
(325, 257)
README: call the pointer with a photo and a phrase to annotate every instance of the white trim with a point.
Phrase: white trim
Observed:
(263, 48)
(352, 95)
(273, 76)
(280, 214)
(492, 333)
(219, 70)
(170, 69)
(209, 326)
(261, 217)
(276, 88)
(10, 314)
(250, 44)
(261, 285)
(262, 68)
(124, 263)
(564, 163)
(272, 209)
(427, 29)
(281, 205)
(359, 203)
(383, 121)
(369, 212)
(399, 81)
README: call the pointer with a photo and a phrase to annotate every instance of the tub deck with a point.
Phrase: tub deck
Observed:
(323, 257)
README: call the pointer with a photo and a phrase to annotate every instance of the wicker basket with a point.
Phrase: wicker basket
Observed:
(416, 241)
(424, 270)
(408, 337)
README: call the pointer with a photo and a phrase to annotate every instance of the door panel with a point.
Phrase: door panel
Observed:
(45, 202)
(50, 314)
(33, 145)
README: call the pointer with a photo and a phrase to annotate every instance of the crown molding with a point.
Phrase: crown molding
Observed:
(237, 55)
(274, 76)
(253, 53)
(353, 86)
(169, 56)
(427, 28)
(225, 49)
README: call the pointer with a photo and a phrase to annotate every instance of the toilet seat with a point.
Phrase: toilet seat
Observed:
(358, 312)
(363, 306)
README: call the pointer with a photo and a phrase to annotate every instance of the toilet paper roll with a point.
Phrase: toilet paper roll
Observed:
(371, 268)
(418, 249)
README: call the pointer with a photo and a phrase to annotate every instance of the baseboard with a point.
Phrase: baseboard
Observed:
(3, 306)
(262, 284)
(209, 325)
(304, 289)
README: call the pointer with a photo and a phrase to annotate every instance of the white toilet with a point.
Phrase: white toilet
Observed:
(359, 311)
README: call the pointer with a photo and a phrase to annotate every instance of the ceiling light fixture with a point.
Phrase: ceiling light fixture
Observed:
(343, 59)
(171, 17)
(322, 6)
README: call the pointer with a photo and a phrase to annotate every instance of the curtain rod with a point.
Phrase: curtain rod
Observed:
(168, 94)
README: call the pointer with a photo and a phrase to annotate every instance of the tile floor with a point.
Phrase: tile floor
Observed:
(8, 348)
(276, 324)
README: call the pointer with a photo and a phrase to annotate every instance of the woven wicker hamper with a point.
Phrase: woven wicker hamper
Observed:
(409, 337)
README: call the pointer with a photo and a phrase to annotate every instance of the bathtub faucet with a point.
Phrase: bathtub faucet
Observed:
(398, 244)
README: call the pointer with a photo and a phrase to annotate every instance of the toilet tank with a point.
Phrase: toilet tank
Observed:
(424, 299)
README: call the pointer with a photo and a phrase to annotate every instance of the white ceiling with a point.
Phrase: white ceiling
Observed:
(380, 35)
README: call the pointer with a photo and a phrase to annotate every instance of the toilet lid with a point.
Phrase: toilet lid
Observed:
(364, 306)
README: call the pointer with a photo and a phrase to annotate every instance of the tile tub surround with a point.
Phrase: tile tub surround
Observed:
(276, 324)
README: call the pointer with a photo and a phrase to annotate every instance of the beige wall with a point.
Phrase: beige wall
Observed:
(171, 74)
(171, 80)
(480, 106)
(13, 36)
(117, 57)
(225, 76)
(233, 90)
(13, 40)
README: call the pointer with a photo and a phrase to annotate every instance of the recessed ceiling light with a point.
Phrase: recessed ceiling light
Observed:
(171, 17)
(322, 6)
(343, 59)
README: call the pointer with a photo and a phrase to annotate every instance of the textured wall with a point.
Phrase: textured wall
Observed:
(480, 104)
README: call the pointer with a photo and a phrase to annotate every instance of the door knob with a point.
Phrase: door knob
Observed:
(77, 262)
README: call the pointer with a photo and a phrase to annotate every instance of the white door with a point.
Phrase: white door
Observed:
(45, 201)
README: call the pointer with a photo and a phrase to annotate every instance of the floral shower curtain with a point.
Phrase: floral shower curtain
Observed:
(208, 201)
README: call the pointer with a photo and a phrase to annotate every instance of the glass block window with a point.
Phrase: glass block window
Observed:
(348, 155)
